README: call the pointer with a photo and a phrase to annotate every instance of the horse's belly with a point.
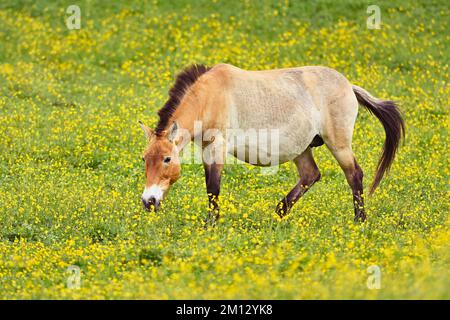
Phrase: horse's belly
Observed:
(269, 146)
(257, 152)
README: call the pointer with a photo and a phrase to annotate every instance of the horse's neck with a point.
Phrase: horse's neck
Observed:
(188, 113)
(203, 102)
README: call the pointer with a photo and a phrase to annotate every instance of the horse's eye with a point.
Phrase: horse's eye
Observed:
(167, 160)
(143, 159)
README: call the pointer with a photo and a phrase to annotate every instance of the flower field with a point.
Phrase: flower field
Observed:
(71, 173)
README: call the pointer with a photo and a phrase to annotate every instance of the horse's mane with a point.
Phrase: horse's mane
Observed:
(184, 80)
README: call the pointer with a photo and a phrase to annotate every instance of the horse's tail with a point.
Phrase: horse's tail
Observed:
(389, 115)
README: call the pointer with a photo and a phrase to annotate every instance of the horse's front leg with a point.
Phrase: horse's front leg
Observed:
(214, 151)
(213, 173)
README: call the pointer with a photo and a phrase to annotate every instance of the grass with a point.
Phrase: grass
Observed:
(71, 173)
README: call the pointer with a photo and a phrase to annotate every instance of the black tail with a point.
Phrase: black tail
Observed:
(389, 115)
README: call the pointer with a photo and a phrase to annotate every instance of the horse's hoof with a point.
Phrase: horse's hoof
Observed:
(211, 220)
(360, 216)
(281, 210)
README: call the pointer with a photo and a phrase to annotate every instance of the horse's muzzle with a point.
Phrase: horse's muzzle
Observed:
(150, 202)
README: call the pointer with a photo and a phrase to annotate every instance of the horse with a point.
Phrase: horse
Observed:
(308, 106)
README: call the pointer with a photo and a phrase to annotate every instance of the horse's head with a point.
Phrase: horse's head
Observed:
(162, 165)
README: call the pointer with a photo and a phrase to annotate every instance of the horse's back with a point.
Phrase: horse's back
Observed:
(288, 88)
(300, 102)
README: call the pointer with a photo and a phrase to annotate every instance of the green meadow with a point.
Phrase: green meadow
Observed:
(71, 174)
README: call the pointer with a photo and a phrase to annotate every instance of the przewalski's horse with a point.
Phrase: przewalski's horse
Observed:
(309, 106)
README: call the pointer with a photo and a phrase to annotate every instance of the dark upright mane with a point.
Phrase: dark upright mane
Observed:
(184, 80)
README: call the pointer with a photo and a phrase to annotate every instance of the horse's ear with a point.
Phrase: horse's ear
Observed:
(173, 132)
(147, 131)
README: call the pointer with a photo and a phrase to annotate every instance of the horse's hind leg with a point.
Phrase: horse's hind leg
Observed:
(337, 132)
(354, 176)
(309, 174)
